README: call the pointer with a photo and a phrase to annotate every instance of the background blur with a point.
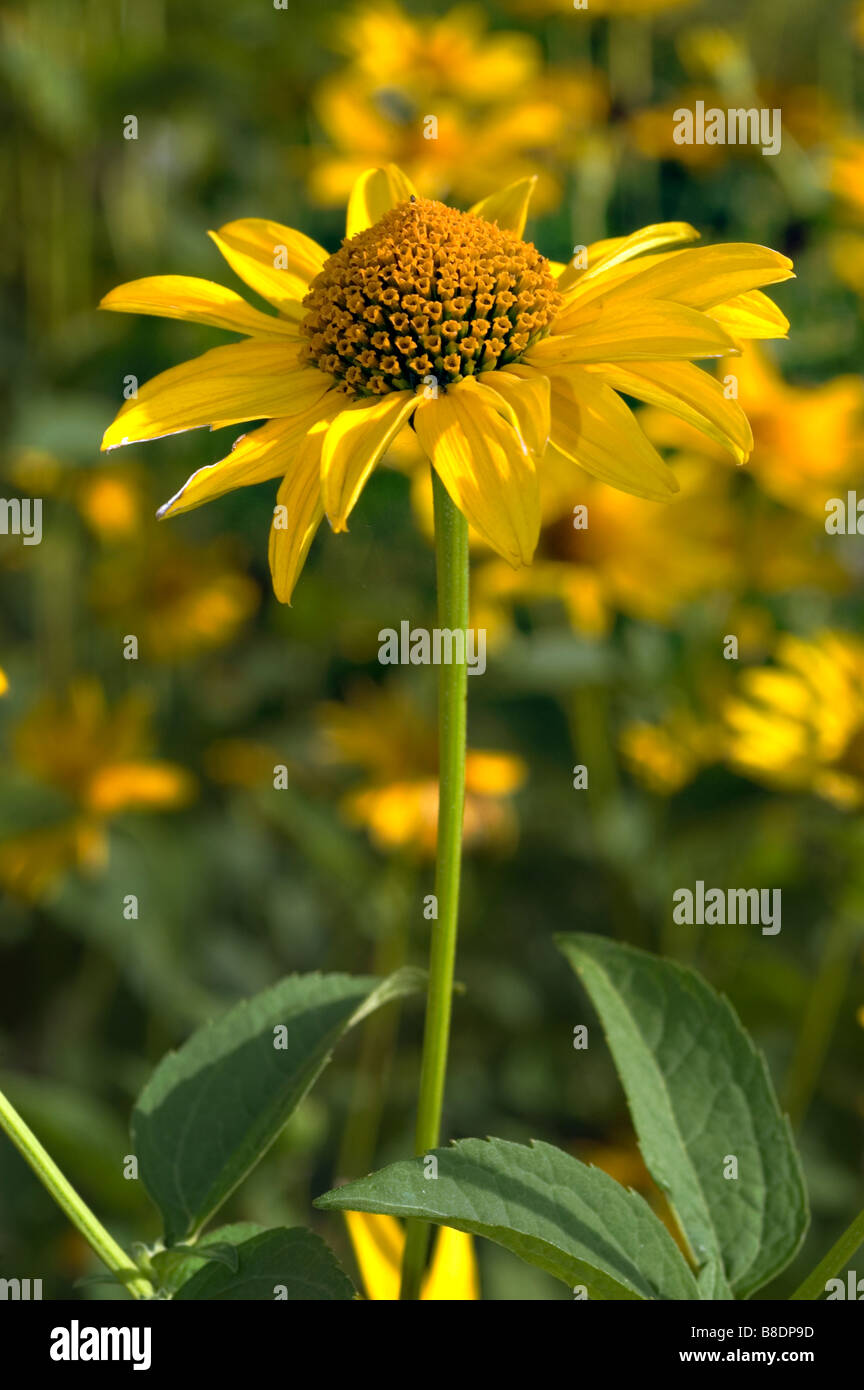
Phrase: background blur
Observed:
(154, 777)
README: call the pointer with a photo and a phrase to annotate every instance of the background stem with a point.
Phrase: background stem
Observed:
(451, 552)
(64, 1194)
(837, 1258)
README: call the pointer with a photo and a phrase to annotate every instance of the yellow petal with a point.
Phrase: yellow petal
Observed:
(700, 277)
(243, 381)
(355, 442)
(197, 301)
(378, 1242)
(453, 1272)
(688, 392)
(375, 192)
(604, 255)
(137, 785)
(526, 392)
(509, 206)
(275, 261)
(751, 315)
(298, 514)
(703, 276)
(256, 457)
(486, 468)
(656, 331)
(592, 426)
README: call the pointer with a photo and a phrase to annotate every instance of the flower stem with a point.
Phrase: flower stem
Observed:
(837, 1258)
(451, 551)
(69, 1202)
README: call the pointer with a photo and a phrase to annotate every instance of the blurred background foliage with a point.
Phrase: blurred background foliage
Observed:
(155, 777)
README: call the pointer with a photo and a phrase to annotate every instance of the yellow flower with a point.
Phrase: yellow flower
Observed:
(382, 732)
(808, 440)
(451, 321)
(4, 682)
(378, 1243)
(180, 600)
(98, 759)
(446, 100)
(110, 504)
(664, 757)
(598, 7)
(599, 567)
(799, 725)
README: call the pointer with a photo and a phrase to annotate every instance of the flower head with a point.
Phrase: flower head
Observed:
(383, 732)
(799, 725)
(500, 360)
(97, 758)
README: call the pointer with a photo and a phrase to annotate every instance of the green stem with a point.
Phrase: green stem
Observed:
(837, 1258)
(69, 1202)
(451, 550)
(824, 999)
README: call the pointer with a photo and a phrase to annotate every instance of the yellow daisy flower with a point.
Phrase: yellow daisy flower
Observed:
(799, 725)
(809, 439)
(664, 757)
(487, 93)
(385, 734)
(449, 320)
(98, 759)
(598, 7)
(378, 1243)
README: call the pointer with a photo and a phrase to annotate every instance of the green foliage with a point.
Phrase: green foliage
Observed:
(570, 1220)
(700, 1095)
(279, 1264)
(213, 1108)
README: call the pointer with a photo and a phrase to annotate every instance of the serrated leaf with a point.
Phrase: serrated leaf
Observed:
(280, 1264)
(213, 1108)
(699, 1093)
(573, 1221)
(174, 1266)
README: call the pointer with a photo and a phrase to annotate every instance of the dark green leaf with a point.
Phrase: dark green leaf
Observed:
(274, 1265)
(211, 1110)
(570, 1220)
(700, 1096)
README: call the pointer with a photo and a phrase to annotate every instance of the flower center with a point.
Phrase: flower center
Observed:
(426, 292)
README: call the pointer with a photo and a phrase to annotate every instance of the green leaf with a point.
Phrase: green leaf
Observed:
(174, 1266)
(699, 1093)
(211, 1109)
(274, 1265)
(570, 1220)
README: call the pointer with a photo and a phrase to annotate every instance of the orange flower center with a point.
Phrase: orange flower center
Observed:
(428, 292)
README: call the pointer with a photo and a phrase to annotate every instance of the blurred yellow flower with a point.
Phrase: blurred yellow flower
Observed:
(391, 739)
(378, 1243)
(665, 756)
(109, 500)
(808, 440)
(451, 321)
(597, 7)
(799, 725)
(178, 599)
(4, 682)
(617, 555)
(458, 107)
(110, 503)
(97, 758)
